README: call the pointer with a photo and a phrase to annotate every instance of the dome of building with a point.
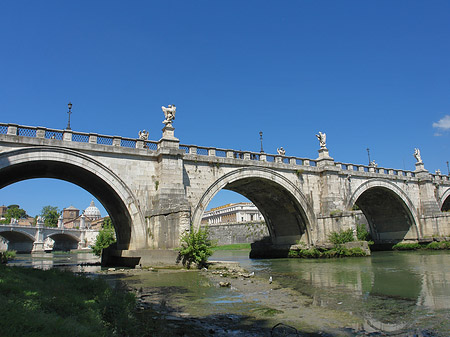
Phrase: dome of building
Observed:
(92, 212)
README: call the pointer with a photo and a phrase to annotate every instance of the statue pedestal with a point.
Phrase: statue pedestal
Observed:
(168, 139)
(420, 167)
(324, 158)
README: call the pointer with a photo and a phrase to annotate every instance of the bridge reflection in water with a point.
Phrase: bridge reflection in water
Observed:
(391, 291)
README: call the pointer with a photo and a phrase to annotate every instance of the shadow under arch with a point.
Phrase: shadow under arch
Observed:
(445, 201)
(84, 171)
(391, 215)
(286, 210)
(18, 240)
(64, 242)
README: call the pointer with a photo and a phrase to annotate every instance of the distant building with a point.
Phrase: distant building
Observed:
(3, 210)
(71, 217)
(242, 212)
(235, 223)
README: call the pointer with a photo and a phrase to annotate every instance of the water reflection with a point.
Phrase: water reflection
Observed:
(73, 261)
(392, 291)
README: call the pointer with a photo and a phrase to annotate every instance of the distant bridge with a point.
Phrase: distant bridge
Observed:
(31, 238)
(153, 190)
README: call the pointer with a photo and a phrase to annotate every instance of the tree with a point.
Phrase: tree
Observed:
(105, 237)
(50, 215)
(14, 212)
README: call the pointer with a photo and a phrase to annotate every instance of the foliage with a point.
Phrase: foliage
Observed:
(362, 234)
(7, 255)
(416, 246)
(196, 247)
(14, 212)
(105, 237)
(338, 238)
(406, 246)
(59, 303)
(50, 215)
(236, 246)
(438, 245)
(335, 252)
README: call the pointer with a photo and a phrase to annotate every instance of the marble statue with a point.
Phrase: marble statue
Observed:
(322, 137)
(281, 151)
(417, 155)
(373, 164)
(169, 113)
(143, 135)
(438, 172)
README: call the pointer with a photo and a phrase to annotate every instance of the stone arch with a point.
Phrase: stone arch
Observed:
(388, 210)
(64, 241)
(445, 201)
(278, 199)
(89, 174)
(19, 240)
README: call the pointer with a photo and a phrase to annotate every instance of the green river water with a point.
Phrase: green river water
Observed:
(394, 293)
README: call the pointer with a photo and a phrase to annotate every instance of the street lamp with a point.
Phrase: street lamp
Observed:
(260, 138)
(69, 112)
(368, 154)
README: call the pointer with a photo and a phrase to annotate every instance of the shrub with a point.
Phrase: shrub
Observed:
(105, 237)
(7, 255)
(338, 238)
(406, 246)
(438, 245)
(196, 247)
(362, 234)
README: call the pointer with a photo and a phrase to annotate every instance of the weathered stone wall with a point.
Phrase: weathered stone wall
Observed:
(233, 233)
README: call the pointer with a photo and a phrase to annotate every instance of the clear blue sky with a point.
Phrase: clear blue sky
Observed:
(371, 74)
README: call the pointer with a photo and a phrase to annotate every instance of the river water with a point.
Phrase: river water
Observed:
(397, 293)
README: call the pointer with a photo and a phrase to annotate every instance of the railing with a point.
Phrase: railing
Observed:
(91, 138)
(374, 169)
(78, 137)
(246, 155)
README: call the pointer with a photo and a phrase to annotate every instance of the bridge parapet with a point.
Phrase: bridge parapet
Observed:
(74, 136)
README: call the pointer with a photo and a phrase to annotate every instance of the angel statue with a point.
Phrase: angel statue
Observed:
(143, 135)
(169, 113)
(417, 155)
(281, 151)
(322, 137)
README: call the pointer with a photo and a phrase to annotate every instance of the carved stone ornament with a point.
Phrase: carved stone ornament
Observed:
(322, 137)
(169, 113)
(281, 151)
(143, 135)
(417, 155)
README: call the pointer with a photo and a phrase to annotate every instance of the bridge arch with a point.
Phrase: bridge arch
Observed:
(285, 208)
(445, 201)
(63, 241)
(89, 174)
(389, 211)
(19, 240)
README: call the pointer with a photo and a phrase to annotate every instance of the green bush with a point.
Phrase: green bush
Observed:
(406, 246)
(196, 247)
(338, 238)
(105, 237)
(438, 245)
(7, 255)
(362, 234)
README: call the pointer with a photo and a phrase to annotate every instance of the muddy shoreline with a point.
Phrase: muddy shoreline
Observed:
(272, 310)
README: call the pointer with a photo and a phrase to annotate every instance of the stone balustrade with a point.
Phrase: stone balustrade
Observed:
(93, 138)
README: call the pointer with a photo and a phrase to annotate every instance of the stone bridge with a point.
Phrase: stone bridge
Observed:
(26, 239)
(154, 190)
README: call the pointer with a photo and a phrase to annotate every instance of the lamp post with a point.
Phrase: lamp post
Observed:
(260, 138)
(69, 112)
(368, 154)
(448, 169)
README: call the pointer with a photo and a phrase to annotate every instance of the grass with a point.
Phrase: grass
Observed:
(59, 303)
(236, 246)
